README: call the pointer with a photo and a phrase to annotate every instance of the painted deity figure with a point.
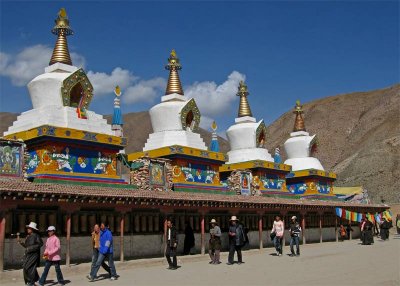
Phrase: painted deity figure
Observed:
(63, 160)
(101, 164)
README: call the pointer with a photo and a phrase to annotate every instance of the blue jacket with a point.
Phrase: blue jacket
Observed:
(106, 242)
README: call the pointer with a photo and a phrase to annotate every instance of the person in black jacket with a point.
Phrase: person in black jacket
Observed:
(32, 245)
(294, 230)
(172, 244)
(236, 240)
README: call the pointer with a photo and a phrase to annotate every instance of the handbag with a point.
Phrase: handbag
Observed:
(272, 235)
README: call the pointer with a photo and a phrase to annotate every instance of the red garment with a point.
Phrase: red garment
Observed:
(53, 249)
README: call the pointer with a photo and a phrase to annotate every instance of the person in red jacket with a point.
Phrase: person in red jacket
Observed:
(52, 255)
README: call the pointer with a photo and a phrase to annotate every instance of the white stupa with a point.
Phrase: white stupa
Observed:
(176, 117)
(247, 137)
(298, 146)
(61, 95)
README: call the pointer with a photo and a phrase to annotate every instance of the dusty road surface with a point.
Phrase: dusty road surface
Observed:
(332, 263)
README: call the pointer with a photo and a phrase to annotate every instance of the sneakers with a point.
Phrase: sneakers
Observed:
(292, 254)
(229, 263)
(113, 278)
(90, 278)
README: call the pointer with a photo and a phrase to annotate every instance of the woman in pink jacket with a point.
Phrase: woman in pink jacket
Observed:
(278, 229)
(52, 256)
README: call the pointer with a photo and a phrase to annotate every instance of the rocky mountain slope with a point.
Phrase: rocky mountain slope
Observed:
(358, 135)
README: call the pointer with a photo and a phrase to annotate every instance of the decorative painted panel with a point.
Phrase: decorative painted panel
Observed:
(62, 159)
(11, 156)
(197, 173)
(245, 181)
(311, 187)
(272, 182)
(157, 174)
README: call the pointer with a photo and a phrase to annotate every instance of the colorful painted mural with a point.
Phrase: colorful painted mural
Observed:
(60, 158)
(245, 181)
(10, 159)
(196, 173)
(157, 174)
(311, 187)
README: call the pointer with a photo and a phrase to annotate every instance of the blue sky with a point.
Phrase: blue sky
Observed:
(285, 51)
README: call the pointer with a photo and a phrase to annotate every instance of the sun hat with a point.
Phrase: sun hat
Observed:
(213, 221)
(32, 225)
(51, 228)
(233, 218)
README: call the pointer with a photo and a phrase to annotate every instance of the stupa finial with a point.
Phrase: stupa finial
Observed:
(299, 121)
(174, 83)
(214, 146)
(62, 30)
(117, 120)
(244, 107)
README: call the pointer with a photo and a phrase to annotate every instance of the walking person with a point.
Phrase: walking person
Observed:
(342, 233)
(295, 230)
(172, 244)
(349, 229)
(188, 243)
(105, 253)
(214, 242)
(384, 229)
(278, 229)
(367, 236)
(95, 249)
(236, 240)
(52, 254)
(32, 245)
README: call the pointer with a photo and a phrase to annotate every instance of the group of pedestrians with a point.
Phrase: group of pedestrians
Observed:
(52, 255)
(102, 244)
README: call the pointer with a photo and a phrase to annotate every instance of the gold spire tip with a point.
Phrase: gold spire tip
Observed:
(117, 91)
(62, 30)
(244, 107)
(214, 126)
(174, 83)
(299, 124)
(62, 23)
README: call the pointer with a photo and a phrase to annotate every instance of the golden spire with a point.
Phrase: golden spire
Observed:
(62, 30)
(244, 107)
(174, 83)
(299, 121)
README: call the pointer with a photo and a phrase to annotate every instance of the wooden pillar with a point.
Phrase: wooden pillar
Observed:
(2, 240)
(68, 253)
(303, 226)
(203, 246)
(336, 230)
(320, 228)
(165, 235)
(121, 237)
(260, 230)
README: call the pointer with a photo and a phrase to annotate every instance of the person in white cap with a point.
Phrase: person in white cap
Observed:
(214, 242)
(295, 230)
(52, 255)
(32, 245)
(236, 240)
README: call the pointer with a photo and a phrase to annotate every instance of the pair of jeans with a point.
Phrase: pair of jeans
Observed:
(295, 240)
(95, 256)
(278, 244)
(100, 260)
(232, 248)
(47, 265)
(171, 251)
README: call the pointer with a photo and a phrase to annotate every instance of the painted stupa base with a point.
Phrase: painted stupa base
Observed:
(176, 137)
(256, 177)
(249, 154)
(311, 184)
(63, 154)
(193, 170)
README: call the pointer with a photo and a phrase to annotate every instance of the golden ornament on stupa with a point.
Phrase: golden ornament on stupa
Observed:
(244, 107)
(214, 126)
(117, 91)
(174, 83)
(62, 30)
(299, 121)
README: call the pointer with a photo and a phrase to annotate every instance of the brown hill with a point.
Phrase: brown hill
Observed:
(359, 138)
(358, 135)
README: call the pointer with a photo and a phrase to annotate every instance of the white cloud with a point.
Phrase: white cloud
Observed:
(205, 122)
(30, 62)
(144, 91)
(105, 83)
(213, 99)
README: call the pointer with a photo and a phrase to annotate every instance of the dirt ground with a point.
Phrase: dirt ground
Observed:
(333, 263)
